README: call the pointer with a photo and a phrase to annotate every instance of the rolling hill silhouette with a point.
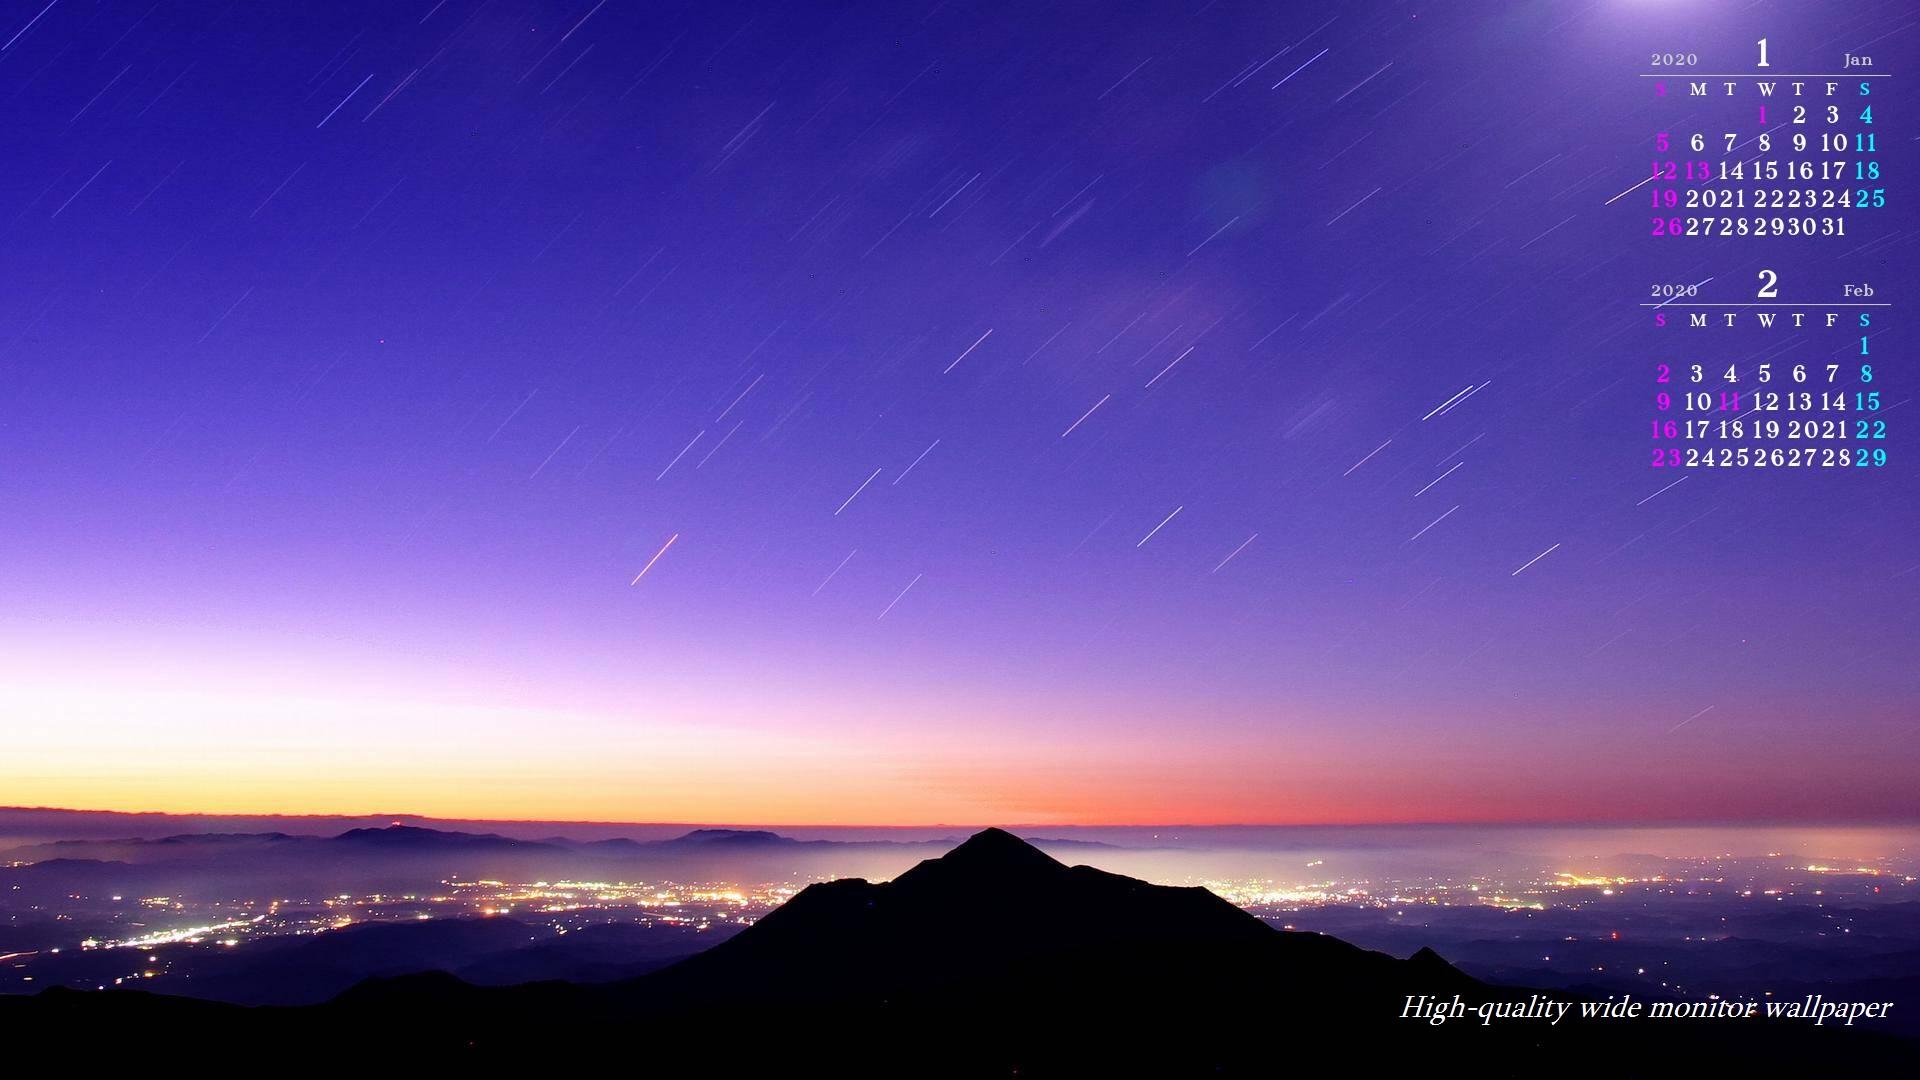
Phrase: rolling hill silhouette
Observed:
(993, 960)
(310, 969)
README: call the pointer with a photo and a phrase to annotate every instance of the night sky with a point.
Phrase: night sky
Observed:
(908, 413)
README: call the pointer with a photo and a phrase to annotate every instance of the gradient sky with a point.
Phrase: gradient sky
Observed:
(357, 358)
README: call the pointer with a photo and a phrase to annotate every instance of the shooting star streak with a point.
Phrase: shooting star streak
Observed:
(1374, 192)
(1083, 416)
(1543, 235)
(1162, 525)
(955, 195)
(1235, 551)
(1366, 459)
(681, 454)
(583, 20)
(1656, 494)
(1449, 401)
(701, 464)
(1298, 70)
(655, 559)
(1535, 559)
(1437, 479)
(83, 187)
(1124, 78)
(916, 461)
(224, 314)
(1210, 239)
(903, 593)
(391, 94)
(1690, 719)
(1430, 525)
(1462, 449)
(343, 101)
(1625, 193)
(511, 415)
(836, 570)
(741, 398)
(856, 493)
(29, 26)
(1045, 343)
(556, 451)
(1169, 367)
(963, 356)
(1469, 397)
(1362, 83)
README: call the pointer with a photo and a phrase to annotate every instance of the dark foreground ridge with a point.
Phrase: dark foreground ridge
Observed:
(993, 960)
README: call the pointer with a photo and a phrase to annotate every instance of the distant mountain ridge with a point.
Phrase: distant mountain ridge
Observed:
(23, 825)
(398, 836)
(404, 859)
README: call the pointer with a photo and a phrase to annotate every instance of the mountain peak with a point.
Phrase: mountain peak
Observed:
(999, 844)
(987, 856)
(1428, 962)
(731, 836)
(996, 912)
(409, 837)
(395, 834)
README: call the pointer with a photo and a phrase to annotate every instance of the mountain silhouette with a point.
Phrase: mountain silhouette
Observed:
(732, 836)
(992, 960)
(995, 910)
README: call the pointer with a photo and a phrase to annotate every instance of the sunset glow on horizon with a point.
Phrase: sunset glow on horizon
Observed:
(163, 736)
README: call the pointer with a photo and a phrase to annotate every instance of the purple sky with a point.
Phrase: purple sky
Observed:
(1032, 403)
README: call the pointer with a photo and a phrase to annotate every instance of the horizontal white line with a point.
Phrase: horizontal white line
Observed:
(1757, 75)
(1815, 303)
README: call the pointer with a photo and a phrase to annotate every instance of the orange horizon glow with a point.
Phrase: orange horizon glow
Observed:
(190, 811)
(207, 800)
(226, 740)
